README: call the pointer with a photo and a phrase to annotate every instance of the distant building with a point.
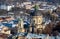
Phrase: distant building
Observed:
(4, 30)
(6, 7)
(20, 26)
(4, 36)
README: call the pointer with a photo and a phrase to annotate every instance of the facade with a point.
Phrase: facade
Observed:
(5, 30)
(38, 22)
(20, 26)
(21, 37)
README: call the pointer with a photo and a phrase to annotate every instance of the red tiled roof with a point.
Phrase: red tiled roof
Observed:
(3, 35)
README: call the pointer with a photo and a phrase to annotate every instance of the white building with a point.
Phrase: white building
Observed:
(6, 7)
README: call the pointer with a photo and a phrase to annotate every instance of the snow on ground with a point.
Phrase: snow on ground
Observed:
(43, 36)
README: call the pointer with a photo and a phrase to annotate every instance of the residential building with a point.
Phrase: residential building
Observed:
(5, 30)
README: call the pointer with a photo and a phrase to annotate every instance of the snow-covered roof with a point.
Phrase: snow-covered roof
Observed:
(22, 34)
(30, 35)
(49, 7)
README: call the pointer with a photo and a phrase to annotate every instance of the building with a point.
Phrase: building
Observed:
(20, 26)
(4, 36)
(5, 30)
(6, 7)
(37, 19)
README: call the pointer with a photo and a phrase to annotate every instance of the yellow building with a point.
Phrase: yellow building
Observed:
(37, 20)
(28, 6)
(20, 26)
(26, 3)
(21, 37)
